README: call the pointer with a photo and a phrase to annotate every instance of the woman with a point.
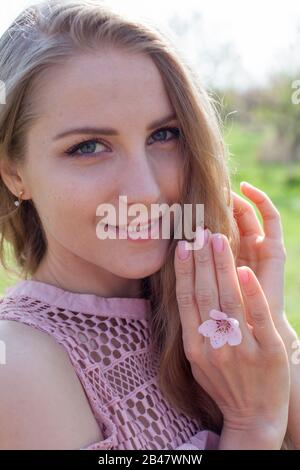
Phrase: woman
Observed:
(99, 106)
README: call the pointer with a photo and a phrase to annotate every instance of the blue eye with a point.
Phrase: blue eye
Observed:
(88, 147)
(174, 130)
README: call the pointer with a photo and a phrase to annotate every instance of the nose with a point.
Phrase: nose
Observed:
(140, 182)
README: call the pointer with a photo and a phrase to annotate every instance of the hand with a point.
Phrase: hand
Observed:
(249, 382)
(264, 252)
(262, 249)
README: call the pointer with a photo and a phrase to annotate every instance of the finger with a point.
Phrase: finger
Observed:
(185, 294)
(206, 288)
(257, 307)
(270, 215)
(246, 217)
(230, 296)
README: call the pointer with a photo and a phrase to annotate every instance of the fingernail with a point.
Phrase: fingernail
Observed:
(207, 233)
(183, 252)
(202, 236)
(248, 185)
(199, 236)
(217, 241)
(243, 275)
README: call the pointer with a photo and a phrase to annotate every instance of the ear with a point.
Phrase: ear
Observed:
(11, 176)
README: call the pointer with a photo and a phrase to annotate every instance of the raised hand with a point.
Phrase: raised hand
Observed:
(250, 381)
(262, 247)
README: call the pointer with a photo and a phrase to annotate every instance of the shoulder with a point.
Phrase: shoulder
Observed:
(42, 402)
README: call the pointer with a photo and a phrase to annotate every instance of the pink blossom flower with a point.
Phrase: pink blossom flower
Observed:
(221, 329)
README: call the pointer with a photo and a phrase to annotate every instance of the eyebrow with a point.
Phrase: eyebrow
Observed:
(110, 131)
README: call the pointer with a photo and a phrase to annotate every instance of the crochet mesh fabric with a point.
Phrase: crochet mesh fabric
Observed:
(109, 344)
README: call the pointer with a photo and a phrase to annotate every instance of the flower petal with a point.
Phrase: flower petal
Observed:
(233, 322)
(218, 315)
(218, 339)
(207, 328)
(234, 336)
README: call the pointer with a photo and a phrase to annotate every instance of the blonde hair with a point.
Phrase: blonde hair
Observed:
(43, 36)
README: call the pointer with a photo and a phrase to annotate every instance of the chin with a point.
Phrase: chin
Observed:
(139, 273)
(139, 269)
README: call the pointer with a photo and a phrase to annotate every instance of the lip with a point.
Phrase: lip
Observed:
(154, 227)
(148, 222)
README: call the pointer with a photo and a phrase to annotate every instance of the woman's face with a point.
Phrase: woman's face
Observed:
(110, 89)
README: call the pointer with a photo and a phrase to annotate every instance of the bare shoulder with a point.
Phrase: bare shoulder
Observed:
(42, 402)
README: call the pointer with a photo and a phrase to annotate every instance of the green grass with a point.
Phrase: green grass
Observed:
(275, 180)
(6, 279)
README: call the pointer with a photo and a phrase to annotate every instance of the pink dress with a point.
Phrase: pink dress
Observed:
(108, 342)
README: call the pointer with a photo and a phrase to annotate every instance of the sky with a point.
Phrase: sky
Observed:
(234, 42)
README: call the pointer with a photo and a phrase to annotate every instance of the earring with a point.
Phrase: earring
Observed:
(17, 202)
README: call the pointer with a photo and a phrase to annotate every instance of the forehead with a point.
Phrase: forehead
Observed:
(106, 83)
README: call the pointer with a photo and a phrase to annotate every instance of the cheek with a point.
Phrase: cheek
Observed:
(171, 176)
(74, 213)
(67, 203)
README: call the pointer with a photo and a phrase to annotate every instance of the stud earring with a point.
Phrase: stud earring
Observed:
(17, 202)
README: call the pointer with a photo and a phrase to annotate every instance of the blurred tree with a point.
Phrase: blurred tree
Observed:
(277, 110)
